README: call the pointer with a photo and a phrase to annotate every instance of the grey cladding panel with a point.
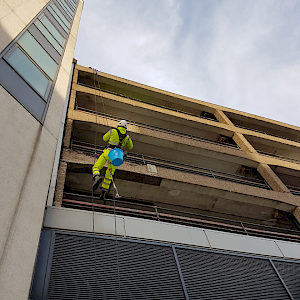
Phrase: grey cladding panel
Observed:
(220, 276)
(145, 271)
(290, 273)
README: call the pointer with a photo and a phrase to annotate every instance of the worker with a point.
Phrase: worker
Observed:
(116, 138)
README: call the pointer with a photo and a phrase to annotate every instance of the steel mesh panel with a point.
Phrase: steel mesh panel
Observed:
(79, 272)
(216, 276)
(290, 273)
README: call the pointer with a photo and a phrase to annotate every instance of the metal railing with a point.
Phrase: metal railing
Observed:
(294, 189)
(297, 161)
(136, 158)
(139, 100)
(155, 128)
(156, 213)
(267, 133)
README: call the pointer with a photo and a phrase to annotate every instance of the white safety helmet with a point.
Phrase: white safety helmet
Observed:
(122, 123)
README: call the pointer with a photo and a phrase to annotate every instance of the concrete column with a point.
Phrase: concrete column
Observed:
(272, 179)
(68, 132)
(72, 99)
(243, 143)
(60, 183)
(75, 73)
(296, 213)
(222, 118)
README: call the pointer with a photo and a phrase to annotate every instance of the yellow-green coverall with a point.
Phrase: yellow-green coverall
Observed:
(112, 137)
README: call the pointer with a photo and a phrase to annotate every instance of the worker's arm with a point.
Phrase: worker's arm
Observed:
(129, 143)
(106, 136)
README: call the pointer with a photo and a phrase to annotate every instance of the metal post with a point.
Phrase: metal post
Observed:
(244, 228)
(280, 278)
(157, 215)
(143, 159)
(180, 274)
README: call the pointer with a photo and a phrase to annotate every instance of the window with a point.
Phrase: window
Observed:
(48, 35)
(60, 15)
(30, 64)
(66, 8)
(29, 71)
(57, 18)
(38, 54)
(52, 30)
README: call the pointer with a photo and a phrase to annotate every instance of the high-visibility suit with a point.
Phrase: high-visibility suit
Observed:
(114, 140)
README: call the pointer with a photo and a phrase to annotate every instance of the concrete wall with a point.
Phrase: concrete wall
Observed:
(27, 152)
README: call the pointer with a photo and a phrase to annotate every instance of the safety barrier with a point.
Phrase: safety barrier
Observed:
(136, 158)
(139, 100)
(134, 209)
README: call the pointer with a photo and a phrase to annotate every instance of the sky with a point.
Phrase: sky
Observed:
(241, 54)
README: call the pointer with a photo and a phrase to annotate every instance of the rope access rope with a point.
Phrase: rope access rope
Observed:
(114, 195)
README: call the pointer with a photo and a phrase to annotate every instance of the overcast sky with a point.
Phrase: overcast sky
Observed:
(241, 54)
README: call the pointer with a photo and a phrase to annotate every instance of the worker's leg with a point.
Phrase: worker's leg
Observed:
(107, 179)
(100, 162)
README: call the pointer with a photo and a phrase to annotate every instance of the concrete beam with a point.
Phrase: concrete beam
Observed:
(272, 179)
(224, 122)
(296, 213)
(202, 184)
(200, 103)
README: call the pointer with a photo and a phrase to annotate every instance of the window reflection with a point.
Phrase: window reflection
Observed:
(52, 30)
(38, 54)
(67, 10)
(61, 23)
(48, 35)
(60, 15)
(29, 71)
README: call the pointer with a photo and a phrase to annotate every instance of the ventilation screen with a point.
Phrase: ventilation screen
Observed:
(219, 276)
(290, 273)
(112, 270)
(71, 266)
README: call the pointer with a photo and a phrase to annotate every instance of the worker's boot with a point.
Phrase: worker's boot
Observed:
(97, 181)
(103, 195)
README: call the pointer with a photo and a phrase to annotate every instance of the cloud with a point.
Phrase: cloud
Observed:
(239, 54)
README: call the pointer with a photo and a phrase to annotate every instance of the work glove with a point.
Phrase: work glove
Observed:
(125, 155)
(97, 181)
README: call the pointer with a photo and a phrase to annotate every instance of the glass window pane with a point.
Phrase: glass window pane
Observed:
(38, 54)
(52, 30)
(48, 36)
(62, 17)
(29, 71)
(68, 11)
(71, 4)
(69, 8)
(65, 28)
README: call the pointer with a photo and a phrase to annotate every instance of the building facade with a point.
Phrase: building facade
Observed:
(37, 42)
(209, 205)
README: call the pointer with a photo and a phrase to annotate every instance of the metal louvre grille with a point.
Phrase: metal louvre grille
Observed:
(145, 271)
(220, 276)
(290, 273)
